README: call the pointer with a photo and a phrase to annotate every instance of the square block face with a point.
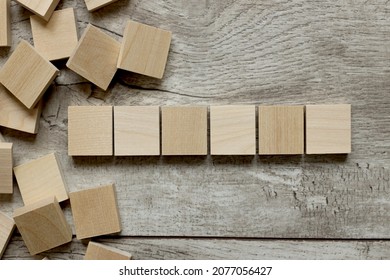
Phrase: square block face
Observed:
(90, 131)
(96, 251)
(57, 38)
(144, 49)
(328, 129)
(43, 225)
(233, 130)
(27, 75)
(184, 130)
(137, 130)
(281, 130)
(95, 57)
(6, 164)
(41, 178)
(7, 226)
(93, 5)
(95, 212)
(5, 23)
(43, 8)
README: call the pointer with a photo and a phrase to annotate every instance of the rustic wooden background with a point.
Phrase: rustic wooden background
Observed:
(236, 52)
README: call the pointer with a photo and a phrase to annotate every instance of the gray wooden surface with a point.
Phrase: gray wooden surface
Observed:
(237, 52)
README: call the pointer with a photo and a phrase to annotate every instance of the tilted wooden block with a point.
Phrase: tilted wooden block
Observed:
(144, 49)
(7, 226)
(96, 251)
(95, 212)
(137, 130)
(6, 162)
(42, 225)
(95, 57)
(41, 178)
(93, 5)
(184, 130)
(328, 129)
(27, 75)
(233, 130)
(57, 38)
(15, 115)
(90, 131)
(5, 23)
(281, 130)
(42, 8)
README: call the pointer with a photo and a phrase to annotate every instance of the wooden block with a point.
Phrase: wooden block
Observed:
(41, 178)
(144, 49)
(233, 130)
(90, 131)
(27, 75)
(96, 251)
(95, 212)
(6, 164)
(57, 38)
(328, 129)
(184, 130)
(95, 57)
(7, 226)
(15, 115)
(93, 5)
(137, 130)
(42, 225)
(281, 130)
(42, 8)
(5, 23)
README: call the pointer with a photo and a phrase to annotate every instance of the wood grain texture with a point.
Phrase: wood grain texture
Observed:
(7, 226)
(43, 8)
(137, 130)
(281, 130)
(144, 49)
(40, 179)
(57, 38)
(95, 57)
(6, 164)
(93, 5)
(97, 251)
(5, 23)
(95, 212)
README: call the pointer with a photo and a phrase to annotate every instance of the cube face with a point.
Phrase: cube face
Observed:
(95, 212)
(43, 225)
(57, 38)
(96, 251)
(137, 130)
(43, 8)
(5, 23)
(95, 57)
(93, 5)
(27, 75)
(7, 226)
(328, 129)
(6, 164)
(144, 49)
(233, 130)
(184, 130)
(41, 178)
(281, 130)
(90, 131)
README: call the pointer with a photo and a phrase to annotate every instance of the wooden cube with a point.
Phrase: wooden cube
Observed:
(328, 129)
(233, 130)
(15, 115)
(144, 49)
(7, 226)
(57, 38)
(95, 212)
(43, 225)
(90, 131)
(137, 130)
(41, 178)
(6, 164)
(5, 23)
(93, 5)
(95, 57)
(42, 8)
(27, 75)
(96, 251)
(184, 130)
(281, 130)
